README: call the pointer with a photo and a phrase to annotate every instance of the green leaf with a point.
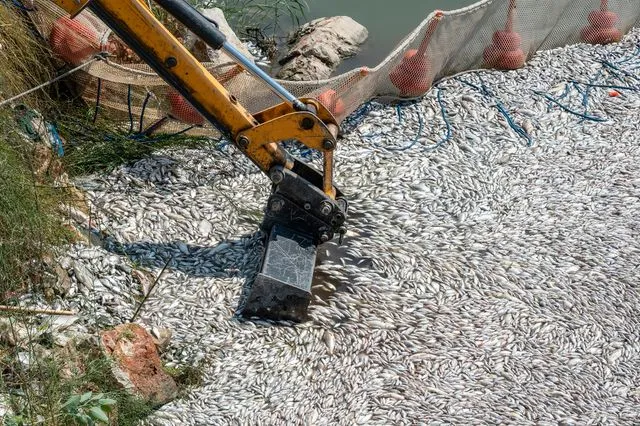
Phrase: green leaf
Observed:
(14, 421)
(82, 419)
(98, 414)
(71, 406)
(85, 397)
(107, 404)
(97, 396)
(107, 401)
(88, 420)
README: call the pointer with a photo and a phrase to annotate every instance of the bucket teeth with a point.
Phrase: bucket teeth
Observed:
(282, 290)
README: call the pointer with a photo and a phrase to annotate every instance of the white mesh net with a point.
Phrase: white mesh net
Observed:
(491, 33)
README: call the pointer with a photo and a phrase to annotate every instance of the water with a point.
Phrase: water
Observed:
(388, 22)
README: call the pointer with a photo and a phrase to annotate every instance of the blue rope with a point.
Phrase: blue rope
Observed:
(415, 139)
(421, 125)
(569, 110)
(567, 90)
(445, 118)
(399, 113)
(484, 90)
(616, 69)
(516, 127)
(473, 86)
(593, 83)
(356, 118)
(587, 94)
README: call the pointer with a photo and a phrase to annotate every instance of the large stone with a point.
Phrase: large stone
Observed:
(221, 60)
(319, 46)
(137, 365)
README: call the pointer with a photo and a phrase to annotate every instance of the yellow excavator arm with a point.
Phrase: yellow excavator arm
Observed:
(305, 209)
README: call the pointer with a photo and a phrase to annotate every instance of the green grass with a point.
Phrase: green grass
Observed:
(29, 224)
(56, 378)
(102, 146)
(98, 378)
(188, 376)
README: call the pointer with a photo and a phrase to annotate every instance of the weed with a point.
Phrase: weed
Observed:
(187, 376)
(105, 146)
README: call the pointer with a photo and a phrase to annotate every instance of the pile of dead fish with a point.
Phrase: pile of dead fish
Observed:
(489, 275)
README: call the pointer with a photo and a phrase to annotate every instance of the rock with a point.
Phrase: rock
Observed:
(161, 337)
(35, 355)
(218, 57)
(75, 338)
(7, 332)
(319, 46)
(62, 340)
(137, 366)
(77, 215)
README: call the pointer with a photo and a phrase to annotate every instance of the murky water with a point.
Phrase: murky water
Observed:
(388, 22)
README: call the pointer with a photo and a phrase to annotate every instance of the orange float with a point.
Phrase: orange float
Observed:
(506, 52)
(412, 75)
(602, 26)
(73, 41)
(182, 110)
(332, 102)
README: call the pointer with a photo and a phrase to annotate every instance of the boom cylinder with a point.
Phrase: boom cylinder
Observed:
(211, 35)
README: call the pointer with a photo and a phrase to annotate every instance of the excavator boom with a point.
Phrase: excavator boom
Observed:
(305, 209)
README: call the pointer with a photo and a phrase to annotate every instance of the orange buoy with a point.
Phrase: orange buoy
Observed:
(412, 76)
(602, 26)
(182, 110)
(73, 41)
(332, 102)
(506, 52)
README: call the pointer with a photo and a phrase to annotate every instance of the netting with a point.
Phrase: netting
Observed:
(489, 34)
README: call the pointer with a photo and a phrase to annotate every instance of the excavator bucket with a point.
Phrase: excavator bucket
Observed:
(282, 290)
(298, 218)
